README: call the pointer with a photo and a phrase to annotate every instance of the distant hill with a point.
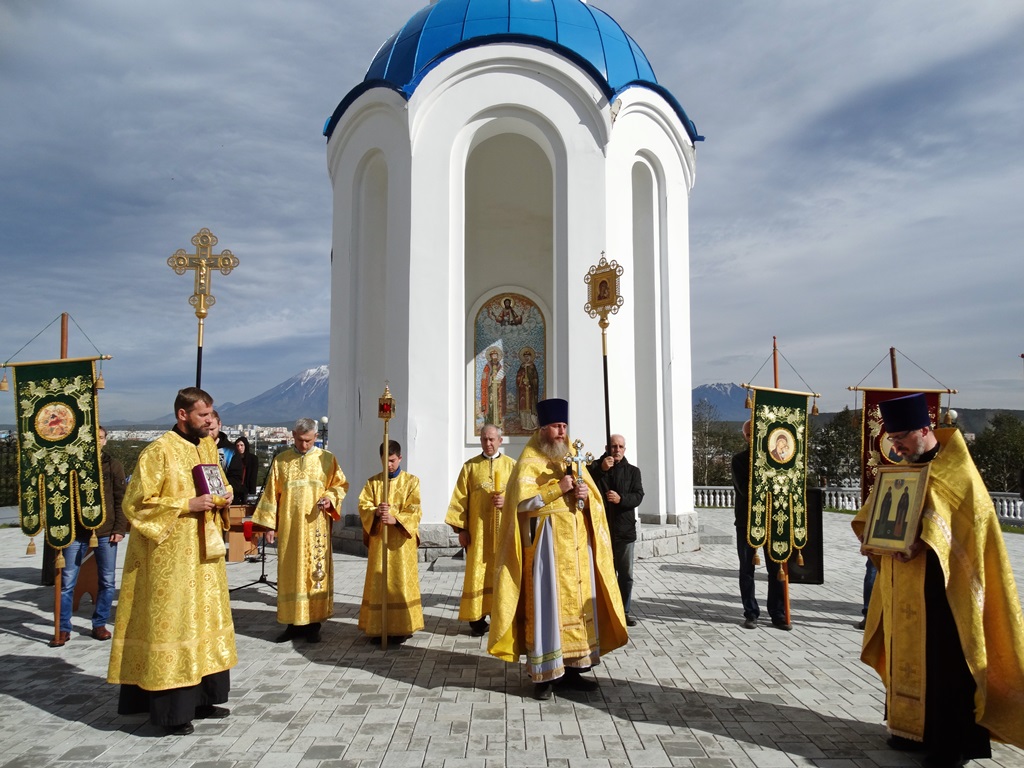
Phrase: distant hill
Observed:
(304, 394)
(727, 399)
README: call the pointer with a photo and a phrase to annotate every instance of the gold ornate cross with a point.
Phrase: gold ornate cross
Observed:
(202, 261)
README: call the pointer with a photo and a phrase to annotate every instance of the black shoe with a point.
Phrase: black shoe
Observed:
(210, 712)
(288, 634)
(944, 760)
(478, 628)
(630, 621)
(904, 744)
(750, 623)
(861, 624)
(542, 691)
(392, 639)
(574, 681)
(313, 633)
(179, 730)
(782, 624)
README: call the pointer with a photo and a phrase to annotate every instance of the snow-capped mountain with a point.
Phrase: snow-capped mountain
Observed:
(727, 399)
(302, 395)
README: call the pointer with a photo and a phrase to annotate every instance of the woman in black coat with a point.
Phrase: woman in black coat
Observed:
(242, 470)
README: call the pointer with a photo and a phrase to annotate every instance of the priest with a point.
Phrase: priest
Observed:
(174, 640)
(302, 496)
(556, 599)
(477, 502)
(401, 513)
(944, 628)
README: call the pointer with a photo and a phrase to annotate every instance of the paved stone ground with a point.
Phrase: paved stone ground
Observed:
(691, 689)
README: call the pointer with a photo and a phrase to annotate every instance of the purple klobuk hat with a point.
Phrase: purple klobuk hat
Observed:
(904, 414)
(553, 411)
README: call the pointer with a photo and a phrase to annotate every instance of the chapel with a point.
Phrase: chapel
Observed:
(496, 151)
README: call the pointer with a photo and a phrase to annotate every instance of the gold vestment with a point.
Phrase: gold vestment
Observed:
(582, 612)
(471, 510)
(297, 481)
(405, 612)
(173, 615)
(960, 525)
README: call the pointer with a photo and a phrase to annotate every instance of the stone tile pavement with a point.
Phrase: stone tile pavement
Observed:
(691, 689)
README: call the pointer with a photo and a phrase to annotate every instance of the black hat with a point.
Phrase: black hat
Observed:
(905, 414)
(553, 411)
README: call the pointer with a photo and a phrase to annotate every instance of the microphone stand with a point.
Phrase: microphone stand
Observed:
(263, 560)
(263, 570)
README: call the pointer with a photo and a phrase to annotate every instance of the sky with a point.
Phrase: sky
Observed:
(859, 187)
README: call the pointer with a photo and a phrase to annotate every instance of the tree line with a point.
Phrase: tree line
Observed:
(834, 460)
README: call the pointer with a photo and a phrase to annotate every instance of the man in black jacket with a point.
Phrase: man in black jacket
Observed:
(623, 491)
(776, 592)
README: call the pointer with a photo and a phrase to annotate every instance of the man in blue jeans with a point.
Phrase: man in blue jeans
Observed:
(112, 531)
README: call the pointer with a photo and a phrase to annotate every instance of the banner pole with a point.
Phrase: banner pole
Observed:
(784, 569)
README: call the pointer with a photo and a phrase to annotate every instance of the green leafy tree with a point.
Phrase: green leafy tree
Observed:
(998, 452)
(127, 452)
(714, 443)
(835, 450)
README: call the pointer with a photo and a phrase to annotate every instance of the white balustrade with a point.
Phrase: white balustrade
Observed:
(1009, 507)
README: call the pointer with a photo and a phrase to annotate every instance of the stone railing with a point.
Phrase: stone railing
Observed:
(1009, 506)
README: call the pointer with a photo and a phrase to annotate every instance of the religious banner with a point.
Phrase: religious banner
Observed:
(778, 473)
(876, 447)
(58, 460)
(509, 363)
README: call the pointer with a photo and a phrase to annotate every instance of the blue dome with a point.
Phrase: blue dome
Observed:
(586, 35)
(568, 26)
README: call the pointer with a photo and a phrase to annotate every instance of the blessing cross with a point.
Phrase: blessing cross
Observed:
(578, 460)
(202, 261)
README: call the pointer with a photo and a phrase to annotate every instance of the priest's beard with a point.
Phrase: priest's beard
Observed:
(555, 450)
(194, 432)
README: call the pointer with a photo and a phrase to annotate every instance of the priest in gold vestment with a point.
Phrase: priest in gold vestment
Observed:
(556, 598)
(302, 496)
(174, 640)
(401, 513)
(944, 628)
(473, 513)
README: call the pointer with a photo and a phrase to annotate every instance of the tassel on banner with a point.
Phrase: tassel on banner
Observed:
(93, 541)
(800, 558)
(757, 558)
(748, 403)
(781, 575)
(31, 548)
(59, 563)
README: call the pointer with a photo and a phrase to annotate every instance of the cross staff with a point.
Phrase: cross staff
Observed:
(603, 298)
(202, 261)
(385, 410)
(578, 460)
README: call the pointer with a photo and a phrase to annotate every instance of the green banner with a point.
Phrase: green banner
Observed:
(778, 477)
(58, 459)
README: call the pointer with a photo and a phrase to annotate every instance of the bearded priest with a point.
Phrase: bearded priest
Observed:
(555, 594)
(174, 641)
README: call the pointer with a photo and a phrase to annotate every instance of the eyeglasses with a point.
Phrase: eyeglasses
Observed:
(899, 437)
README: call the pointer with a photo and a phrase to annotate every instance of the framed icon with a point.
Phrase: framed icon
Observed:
(896, 510)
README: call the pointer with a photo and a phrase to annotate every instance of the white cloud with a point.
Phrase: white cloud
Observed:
(858, 187)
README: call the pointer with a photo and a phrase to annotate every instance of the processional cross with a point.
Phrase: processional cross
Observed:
(576, 464)
(202, 261)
